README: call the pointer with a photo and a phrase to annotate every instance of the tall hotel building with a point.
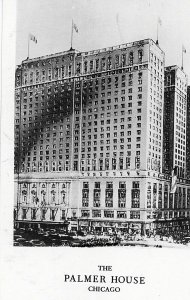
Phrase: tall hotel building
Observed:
(188, 134)
(175, 114)
(88, 139)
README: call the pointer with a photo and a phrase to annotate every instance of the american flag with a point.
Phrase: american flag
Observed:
(183, 49)
(75, 27)
(32, 38)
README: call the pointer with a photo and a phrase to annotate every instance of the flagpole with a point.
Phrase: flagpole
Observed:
(182, 59)
(157, 34)
(72, 35)
(28, 46)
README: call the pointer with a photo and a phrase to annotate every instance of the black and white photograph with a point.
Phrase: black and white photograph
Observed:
(95, 149)
(102, 131)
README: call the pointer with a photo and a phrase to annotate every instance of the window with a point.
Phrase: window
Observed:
(85, 185)
(140, 56)
(85, 213)
(134, 214)
(108, 214)
(33, 214)
(24, 212)
(109, 185)
(121, 214)
(122, 185)
(96, 213)
(135, 185)
(131, 58)
(97, 185)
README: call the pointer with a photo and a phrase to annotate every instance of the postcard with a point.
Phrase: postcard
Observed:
(95, 149)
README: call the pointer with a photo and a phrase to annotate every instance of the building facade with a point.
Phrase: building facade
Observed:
(88, 140)
(188, 135)
(175, 120)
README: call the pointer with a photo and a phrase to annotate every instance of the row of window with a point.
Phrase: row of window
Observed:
(109, 185)
(106, 214)
(84, 214)
(34, 167)
(96, 65)
(135, 203)
(110, 214)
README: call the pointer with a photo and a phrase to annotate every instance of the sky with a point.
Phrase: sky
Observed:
(103, 23)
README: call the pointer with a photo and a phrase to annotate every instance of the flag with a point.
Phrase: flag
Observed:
(174, 180)
(183, 49)
(75, 27)
(159, 21)
(32, 38)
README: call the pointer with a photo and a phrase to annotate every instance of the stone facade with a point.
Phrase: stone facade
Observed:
(88, 140)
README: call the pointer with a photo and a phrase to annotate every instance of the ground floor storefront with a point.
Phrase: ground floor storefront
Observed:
(177, 227)
(174, 227)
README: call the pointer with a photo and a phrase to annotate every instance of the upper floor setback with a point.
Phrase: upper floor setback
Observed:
(175, 77)
(73, 63)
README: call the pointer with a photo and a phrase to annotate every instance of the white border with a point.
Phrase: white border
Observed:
(38, 273)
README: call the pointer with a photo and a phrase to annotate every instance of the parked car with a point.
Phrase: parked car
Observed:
(16, 244)
(186, 240)
(21, 240)
(52, 231)
(17, 236)
(81, 233)
(26, 244)
(37, 243)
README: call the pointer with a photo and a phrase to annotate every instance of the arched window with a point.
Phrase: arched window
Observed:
(24, 196)
(52, 196)
(43, 196)
(131, 58)
(46, 166)
(140, 55)
(63, 195)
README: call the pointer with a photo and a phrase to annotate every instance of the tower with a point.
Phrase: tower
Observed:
(175, 114)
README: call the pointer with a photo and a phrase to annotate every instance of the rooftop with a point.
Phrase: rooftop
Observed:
(175, 67)
(93, 52)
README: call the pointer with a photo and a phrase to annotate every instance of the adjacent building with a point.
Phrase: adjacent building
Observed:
(188, 134)
(88, 140)
(175, 120)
